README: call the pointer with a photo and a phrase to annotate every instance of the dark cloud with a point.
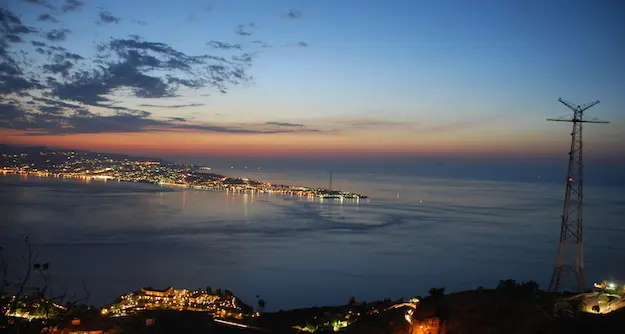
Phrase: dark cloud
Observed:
(236, 129)
(176, 106)
(106, 17)
(14, 38)
(297, 45)
(47, 17)
(13, 79)
(8, 69)
(129, 62)
(51, 110)
(56, 103)
(46, 88)
(72, 5)
(9, 111)
(244, 29)
(58, 119)
(57, 54)
(285, 124)
(57, 35)
(224, 46)
(16, 83)
(11, 24)
(292, 15)
(59, 68)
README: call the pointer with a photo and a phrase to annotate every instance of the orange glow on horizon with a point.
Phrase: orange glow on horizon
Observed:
(283, 145)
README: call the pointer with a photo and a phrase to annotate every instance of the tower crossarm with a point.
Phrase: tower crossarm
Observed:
(578, 108)
(578, 113)
(570, 120)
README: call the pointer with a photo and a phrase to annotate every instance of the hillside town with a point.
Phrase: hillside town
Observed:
(511, 306)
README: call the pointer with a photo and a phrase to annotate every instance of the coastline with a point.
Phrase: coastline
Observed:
(291, 191)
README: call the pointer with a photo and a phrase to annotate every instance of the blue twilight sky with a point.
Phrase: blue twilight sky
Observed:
(415, 76)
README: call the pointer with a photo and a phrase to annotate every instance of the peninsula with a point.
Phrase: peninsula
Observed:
(51, 162)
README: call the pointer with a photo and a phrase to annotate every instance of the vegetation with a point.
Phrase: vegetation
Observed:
(20, 298)
(509, 308)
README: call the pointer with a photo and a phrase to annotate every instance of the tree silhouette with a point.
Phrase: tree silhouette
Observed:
(436, 293)
(352, 301)
(44, 298)
(261, 305)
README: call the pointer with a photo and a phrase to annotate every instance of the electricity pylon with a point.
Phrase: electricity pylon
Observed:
(570, 257)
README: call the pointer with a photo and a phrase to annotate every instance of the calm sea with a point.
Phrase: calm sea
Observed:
(412, 234)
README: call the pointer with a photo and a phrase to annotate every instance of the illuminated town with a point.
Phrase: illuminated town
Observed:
(47, 162)
(218, 303)
(149, 307)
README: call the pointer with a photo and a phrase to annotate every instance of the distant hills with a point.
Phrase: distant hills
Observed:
(36, 150)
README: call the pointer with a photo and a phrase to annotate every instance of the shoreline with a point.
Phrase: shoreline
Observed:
(341, 196)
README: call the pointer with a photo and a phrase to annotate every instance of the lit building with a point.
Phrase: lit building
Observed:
(158, 293)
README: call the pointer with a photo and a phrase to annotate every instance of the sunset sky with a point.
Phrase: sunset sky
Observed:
(311, 78)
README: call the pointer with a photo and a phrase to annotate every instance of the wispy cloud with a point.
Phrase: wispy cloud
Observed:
(56, 35)
(244, 57)
(106, 17)
(65, 118)
(371, 124)
(43, 3)
(292, 15)
(139, 22)
(293, 125)
(72, 5)
(297, 45)
(262, 44)
(244, 29)
(47, 17)
(176, 106)
(223, 46)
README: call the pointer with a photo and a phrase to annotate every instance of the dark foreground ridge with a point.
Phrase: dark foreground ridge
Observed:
(509, 308)
(49, 162)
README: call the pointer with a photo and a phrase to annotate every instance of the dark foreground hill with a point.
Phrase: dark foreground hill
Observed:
(487, 311)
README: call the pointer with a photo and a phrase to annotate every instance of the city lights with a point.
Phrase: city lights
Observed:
(89, 166)
(220, 304)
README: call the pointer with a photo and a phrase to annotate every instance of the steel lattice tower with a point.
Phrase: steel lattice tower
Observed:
(570, 257)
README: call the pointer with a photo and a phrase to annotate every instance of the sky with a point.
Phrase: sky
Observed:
(322, 79)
